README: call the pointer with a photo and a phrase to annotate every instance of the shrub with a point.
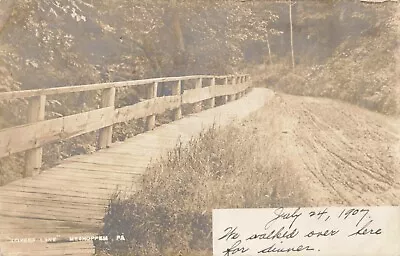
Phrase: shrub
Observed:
(171, 213)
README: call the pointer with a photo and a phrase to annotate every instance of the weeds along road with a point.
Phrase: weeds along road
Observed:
(344, 154)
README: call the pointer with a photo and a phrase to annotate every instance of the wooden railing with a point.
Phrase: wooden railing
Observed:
(31, 137)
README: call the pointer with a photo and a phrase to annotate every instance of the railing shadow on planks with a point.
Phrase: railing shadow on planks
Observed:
(31, 137)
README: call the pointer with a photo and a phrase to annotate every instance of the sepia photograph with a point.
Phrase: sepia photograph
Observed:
(199, 127)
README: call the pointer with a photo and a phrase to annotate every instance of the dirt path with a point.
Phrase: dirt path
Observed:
(343, 154)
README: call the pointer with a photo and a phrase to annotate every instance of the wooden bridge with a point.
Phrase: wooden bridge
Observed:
(47, 211)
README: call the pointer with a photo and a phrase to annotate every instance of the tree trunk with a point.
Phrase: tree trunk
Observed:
(269, 49)
(177, 26)
(6, 8)
(179, 58)
(397, 55)
(291, 31)
(148, 51)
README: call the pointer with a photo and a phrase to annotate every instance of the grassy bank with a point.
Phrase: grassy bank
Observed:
(223, 168)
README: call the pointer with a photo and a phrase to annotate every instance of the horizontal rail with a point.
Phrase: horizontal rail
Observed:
(39, 132)
(92, 87)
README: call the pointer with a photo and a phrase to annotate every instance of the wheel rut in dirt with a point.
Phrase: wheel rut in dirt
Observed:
(345, 155)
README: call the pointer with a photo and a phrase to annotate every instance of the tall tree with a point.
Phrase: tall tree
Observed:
(291, 31)
(258, 27)
(269, 48)
(179, 56)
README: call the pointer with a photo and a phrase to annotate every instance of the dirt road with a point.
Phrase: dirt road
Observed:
(344, 154)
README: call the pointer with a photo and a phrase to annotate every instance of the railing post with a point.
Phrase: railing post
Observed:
(250, 84)
(232, 96)
(151, 93)
(241, 82)
(197, 106)
(245, 83)
(176, 90)
(248, 80)
(239, 94)
(107, 100)
(211, 102)
(33, 157)
(225, 98)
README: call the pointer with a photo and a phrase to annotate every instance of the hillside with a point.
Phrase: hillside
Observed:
(361, 69)
(76, 42)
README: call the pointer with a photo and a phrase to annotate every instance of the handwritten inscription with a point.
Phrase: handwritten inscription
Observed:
(281, 213)
(306, 231)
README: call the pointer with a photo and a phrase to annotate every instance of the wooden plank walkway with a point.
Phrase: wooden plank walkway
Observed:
(69, 200)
